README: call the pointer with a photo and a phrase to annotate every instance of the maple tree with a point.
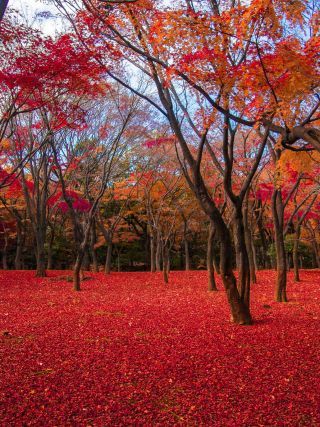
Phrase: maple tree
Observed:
(37, 73)
(239, 33)
(94, 159)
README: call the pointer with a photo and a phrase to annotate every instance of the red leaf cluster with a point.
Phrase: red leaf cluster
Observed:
(158, 141)
(79, 203)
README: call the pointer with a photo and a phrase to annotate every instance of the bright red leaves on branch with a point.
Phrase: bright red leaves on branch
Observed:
(79, 203)
(39, 72)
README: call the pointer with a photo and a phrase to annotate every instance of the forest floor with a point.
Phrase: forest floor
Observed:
(130, 350)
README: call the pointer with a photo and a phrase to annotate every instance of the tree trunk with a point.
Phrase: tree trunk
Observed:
(158, 252)
(316, 251)
(249, 241)
(4, 260)
(186, 254)
(243, 259)
(95, 264)
(240, 313)
(49, 251)
(77, 271)
(315, 245)
(165, 262)
(295, 254)
(19, 247)
(277, 212)
(5, 251)
(92, 250)
(146, 238)
(264, 246)
(254, 253)
(216, 265)
(280, 291)
(86, 260)
(41, 268)
(152, 253)
(236, 244)
(211, 280)
(118, 262)
(36, 205)
(82, 236)
(288, 262)
(181, 257)
(40, 253)
(49, 258)
(107, 266)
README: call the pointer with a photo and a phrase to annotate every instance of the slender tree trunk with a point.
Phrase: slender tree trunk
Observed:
(295, 255)
(107, 266)
(255, 259)
(288, 262)
(249, 241)
(82, 236)
(40, 253)
(316, 251)
(236, 245)
(152, 253)
(186, 254)
(240, 313)
(4, 260)
(93, 252)
(181, 257)
(211, 280)
(77, 271)
(118, 262)
(158, 252)
(40, 228)
(147, 250)
(19, 247)
(86, 260)
(49, 258)
(95, 264)
(41, 268)
(49, 251)
(315, 245)
(165, 262)
(264, 246)
(241, 251)
(5, 251)
(216, 264)
(37, 210)
(277, 212)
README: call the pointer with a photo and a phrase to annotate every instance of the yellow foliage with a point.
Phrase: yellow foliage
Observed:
(301, 162)
(5, 144)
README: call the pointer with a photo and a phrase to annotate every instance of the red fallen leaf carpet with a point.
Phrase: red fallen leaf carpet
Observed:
(129, 350)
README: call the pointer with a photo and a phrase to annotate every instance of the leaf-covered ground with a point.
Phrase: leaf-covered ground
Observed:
(129, 350)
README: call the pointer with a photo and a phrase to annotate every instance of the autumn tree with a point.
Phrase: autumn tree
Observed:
(91, 165)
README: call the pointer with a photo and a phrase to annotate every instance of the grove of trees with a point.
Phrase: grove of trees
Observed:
(155, 136)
